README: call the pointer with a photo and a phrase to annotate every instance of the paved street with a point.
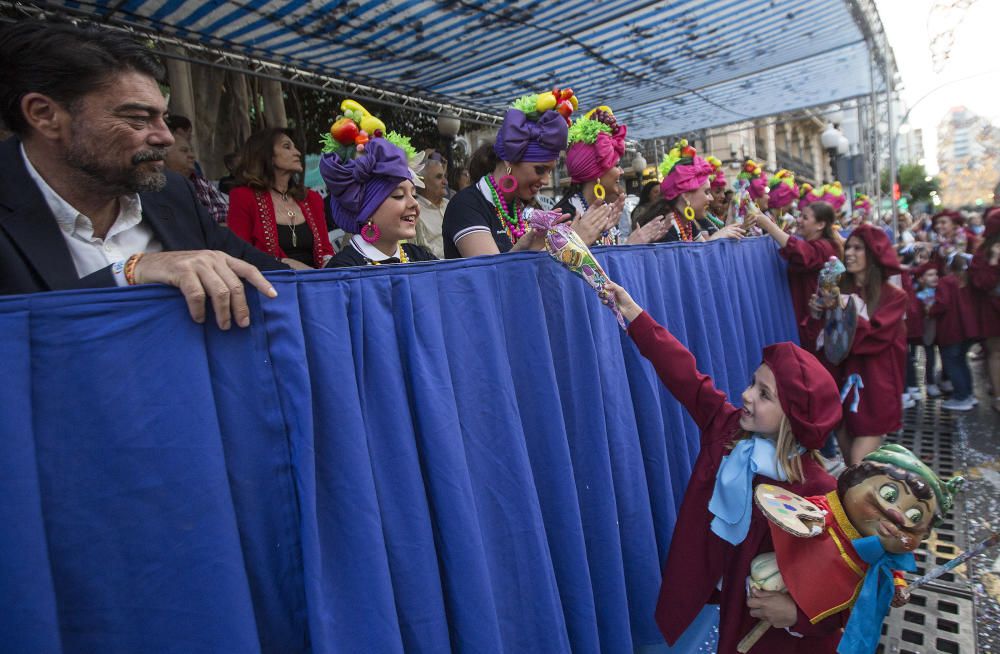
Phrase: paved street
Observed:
(960, 613)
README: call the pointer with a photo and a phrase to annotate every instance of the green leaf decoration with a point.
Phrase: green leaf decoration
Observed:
(585, 130)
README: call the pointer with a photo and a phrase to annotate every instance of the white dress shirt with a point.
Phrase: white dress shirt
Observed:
(128, 234)
(429, 226)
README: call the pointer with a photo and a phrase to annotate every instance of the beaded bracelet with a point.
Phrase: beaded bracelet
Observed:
(130, 268)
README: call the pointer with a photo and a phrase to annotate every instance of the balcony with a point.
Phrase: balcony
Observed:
(803, 169)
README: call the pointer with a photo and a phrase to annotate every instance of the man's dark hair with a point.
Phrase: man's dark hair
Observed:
(176, 122)
(64, 62)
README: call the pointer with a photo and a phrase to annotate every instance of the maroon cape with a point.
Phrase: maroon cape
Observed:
(956, 311)
(805, 259)
(698, 558)
(985, 279)
(878, 354)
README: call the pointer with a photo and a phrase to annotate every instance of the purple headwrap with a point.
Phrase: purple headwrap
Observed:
(685, 177)
(588, 161)
(521, 139)
(358, 186)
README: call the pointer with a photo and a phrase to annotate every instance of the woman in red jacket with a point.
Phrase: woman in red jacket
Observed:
(984, 274)
(788, 410)
(271, 210)
(806, 254)
(957, 327)
(871, 376)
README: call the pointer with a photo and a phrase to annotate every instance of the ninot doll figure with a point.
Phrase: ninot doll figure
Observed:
(849, 573)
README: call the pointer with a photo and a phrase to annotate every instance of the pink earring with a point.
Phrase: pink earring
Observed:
(370, 232)
(508, 183)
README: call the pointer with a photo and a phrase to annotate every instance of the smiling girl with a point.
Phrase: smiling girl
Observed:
(373, 197)
(788, 409)
(489, 217)
(872, 375)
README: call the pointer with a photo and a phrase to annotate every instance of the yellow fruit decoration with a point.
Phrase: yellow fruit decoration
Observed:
(370, 123)
(353, 106)
(545, 102)
(603, 107)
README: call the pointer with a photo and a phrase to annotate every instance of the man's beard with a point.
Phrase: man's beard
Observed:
(114, 179)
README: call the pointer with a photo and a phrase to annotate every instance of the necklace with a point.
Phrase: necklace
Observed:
(402, 257)
(295, 236)
(686, 231)
(513, 222)
(284, 198)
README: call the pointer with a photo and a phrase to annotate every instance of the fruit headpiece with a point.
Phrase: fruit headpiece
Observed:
(808, 195)
(753, 174)
(596, 144)
(355, 127)
(862, 203)
(833, 194)
(683, 170)
(535, 128)
(718, 177)
(783, 191)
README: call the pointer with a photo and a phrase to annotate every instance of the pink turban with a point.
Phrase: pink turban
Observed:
(719, 178)
(758, 187)
(685, 177)
(588, 161)
(782, 195)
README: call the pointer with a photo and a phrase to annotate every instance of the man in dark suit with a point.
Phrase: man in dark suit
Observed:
(84, 197)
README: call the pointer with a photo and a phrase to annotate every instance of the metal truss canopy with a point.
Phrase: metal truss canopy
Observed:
(665, 67)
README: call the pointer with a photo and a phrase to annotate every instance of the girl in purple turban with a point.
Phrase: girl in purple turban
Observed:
(596, 145)
(685, 191)
(372, 196)
(488, 217)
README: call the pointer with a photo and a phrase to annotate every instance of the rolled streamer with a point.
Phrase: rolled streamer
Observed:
(563, 245)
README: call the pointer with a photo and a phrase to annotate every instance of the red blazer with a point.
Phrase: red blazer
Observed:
(698, 558)
(956, 312)
(878, 354)
(985, 280)
(251, 217)
(805, 258)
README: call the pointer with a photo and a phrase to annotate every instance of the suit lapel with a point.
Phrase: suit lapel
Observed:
(28, 221)
(158, 214)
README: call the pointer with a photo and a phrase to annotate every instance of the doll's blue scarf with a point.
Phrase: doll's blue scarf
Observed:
(864, 627)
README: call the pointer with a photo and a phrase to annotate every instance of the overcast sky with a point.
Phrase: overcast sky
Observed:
(974, 54)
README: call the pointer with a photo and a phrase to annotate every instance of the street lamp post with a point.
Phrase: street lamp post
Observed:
(834, 142)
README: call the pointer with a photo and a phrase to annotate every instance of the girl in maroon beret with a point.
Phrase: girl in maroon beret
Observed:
(789, 408)
(806, 253)
(984, 273)
(872, 375)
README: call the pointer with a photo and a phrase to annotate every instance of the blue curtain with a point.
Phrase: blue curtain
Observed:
(461, 456)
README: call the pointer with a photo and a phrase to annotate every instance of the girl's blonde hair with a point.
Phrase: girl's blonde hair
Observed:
(789, 458)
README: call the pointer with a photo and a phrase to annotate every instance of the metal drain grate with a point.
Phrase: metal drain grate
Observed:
(931, 622)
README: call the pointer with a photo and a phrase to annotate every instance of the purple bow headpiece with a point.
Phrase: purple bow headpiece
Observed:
(521, 139)
(358, 186)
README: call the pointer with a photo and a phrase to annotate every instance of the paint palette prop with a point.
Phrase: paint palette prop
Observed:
(793, 513)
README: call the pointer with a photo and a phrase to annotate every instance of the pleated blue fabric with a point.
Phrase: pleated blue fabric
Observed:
(463, 456)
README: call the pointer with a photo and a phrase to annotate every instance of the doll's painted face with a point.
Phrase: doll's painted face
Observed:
(762, 412)
(893, 504)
